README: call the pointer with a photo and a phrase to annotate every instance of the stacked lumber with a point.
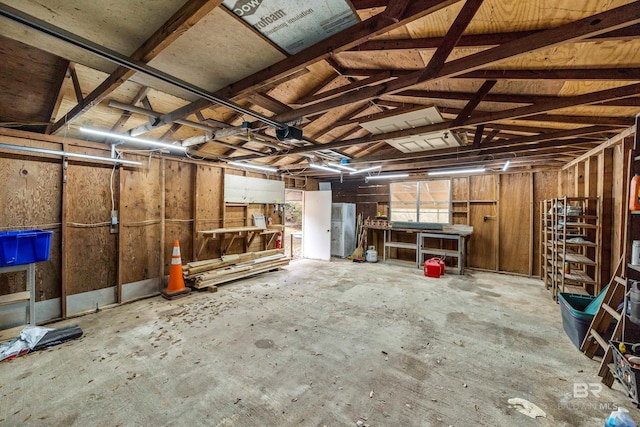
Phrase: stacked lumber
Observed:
(212, 272)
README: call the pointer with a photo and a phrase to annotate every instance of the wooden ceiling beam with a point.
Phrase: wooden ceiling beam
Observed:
(323, 50)
(346, 116)
(431, 70)
(449, 41)
(483, 40)
(142, 93)
(513, 143)
(268, 102)
(592, 74)
(367, 81)
(56, 102)
(395, 9)
(613, 19)
(376, 116)
(490, 136)
(515, 113)
(477, 137)
(612, 121)
(344, 40)
(368, 4)
(76, 83)
(323, 84)
(496, 97)
(553, 150)
(581, 120)
(186, 17)
(473, 103)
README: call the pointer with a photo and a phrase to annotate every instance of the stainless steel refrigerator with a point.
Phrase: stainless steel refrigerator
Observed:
(343, 229)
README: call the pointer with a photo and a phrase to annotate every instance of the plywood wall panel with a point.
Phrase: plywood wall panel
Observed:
(515, 222)
(179, 210)
(482, 187)
(605, 192)
(620, 199)
(31, 198)
(140, 222)
(481, 251)
(181, 231)
(460, 188)
(209, 206)
(545, 186)
(91, 249)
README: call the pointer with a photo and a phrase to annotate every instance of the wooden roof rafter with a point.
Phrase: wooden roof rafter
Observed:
(341, 41)
(613, 19)
(482, 40)
(187, 16)
(559, 103)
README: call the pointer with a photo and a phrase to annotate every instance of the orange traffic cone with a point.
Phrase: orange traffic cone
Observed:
(176, 288)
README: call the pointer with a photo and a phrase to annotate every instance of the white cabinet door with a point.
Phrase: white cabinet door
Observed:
(316, 225)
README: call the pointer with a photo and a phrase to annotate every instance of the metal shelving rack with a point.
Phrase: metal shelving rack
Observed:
(582, 256)
(570, 244)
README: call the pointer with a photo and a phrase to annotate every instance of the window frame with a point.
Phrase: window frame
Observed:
(417, 204)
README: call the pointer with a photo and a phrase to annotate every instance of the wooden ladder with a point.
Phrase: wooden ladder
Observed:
(601, 322)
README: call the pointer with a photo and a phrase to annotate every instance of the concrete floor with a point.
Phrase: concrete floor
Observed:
(317, 344)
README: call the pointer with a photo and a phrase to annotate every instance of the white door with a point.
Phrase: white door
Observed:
(316, 225)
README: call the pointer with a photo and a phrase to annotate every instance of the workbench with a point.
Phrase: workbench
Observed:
(228, 235)
(426, 244)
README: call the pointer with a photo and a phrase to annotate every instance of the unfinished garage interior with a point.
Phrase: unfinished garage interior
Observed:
(319, 213)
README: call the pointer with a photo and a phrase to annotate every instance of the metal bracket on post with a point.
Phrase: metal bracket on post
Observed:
(114, 154)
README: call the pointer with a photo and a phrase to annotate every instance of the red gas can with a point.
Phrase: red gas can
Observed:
(432, 267)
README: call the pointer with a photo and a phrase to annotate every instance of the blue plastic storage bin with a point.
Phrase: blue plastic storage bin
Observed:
(577, 313)
(24, 247)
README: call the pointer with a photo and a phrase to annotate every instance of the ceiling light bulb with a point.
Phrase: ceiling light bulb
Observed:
(372, 168)
(324, 168)
(345, 167)
(133, 139)
(456, 171)
(388, 176)
(252, 166)
(506, 166)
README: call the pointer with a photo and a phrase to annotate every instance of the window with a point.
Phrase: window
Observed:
(420, 201)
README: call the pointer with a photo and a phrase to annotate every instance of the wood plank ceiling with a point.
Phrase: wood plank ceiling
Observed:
(536, 82)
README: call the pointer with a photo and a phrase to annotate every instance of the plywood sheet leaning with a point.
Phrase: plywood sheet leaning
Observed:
(140, 224)
(515, 223)
(209, 205)
(31, 199)
(179, 210)
(91, 249)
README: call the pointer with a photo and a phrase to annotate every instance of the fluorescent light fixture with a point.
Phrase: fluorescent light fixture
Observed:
(133, 139)
(456, 171)
(388, 176)
(345, 167)
(372, 168)
(324, 168)
(251, 166)
(69, 154)
(506, 166)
